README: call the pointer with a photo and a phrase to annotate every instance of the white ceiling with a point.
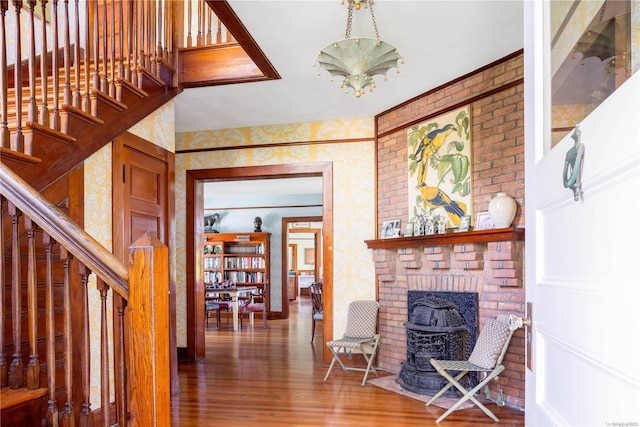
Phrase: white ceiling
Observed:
(439, 40)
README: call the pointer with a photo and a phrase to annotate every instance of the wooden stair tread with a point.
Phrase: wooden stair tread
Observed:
(18, 156)
(10, 397)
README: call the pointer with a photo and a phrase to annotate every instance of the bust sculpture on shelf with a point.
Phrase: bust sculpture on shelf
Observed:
(210, 221)
(257, 222)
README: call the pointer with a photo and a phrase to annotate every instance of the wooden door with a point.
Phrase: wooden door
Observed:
(582, 258)
(142, 202)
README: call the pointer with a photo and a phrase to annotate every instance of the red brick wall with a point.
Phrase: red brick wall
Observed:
(494, 270)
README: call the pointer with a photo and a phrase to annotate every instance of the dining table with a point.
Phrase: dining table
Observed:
(234, 292)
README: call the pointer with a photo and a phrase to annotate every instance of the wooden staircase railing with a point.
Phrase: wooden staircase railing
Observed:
(40, 234)
(92, 69)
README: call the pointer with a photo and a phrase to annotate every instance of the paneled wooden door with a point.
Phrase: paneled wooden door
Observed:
(582, 257)
(142, 201)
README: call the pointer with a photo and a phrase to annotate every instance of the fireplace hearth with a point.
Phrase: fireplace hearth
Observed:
(441, 325)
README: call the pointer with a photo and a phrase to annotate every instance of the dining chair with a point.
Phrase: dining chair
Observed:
(360, 337)
(487, 355)
(216, 306)
(256, 303)
(317, 311)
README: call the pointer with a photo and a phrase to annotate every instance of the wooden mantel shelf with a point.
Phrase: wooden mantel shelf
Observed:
(492, 235)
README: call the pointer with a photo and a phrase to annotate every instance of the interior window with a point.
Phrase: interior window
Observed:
(591, 55)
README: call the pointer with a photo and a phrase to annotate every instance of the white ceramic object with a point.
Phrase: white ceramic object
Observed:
(502, 210)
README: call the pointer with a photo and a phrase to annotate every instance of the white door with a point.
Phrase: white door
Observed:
(583, 259)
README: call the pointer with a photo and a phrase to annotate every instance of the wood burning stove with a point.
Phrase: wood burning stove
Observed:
(441, 325)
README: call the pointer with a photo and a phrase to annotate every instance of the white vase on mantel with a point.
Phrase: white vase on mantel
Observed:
(502, 210)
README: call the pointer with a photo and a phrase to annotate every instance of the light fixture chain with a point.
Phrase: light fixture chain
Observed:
(373, 18)
(349, 20)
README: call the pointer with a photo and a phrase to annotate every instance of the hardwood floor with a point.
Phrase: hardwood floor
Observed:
(273, 378)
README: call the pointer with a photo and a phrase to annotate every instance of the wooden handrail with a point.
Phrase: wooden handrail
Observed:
(66, 232)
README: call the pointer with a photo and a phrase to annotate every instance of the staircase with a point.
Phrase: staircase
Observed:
(89, 72)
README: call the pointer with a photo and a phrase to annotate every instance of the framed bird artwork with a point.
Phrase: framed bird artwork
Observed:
(440, 167)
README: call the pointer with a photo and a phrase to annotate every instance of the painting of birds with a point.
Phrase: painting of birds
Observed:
(428, 147)
(436, 198)
(439, 166)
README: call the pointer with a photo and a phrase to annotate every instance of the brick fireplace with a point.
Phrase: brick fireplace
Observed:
(489, 263)
(492, 269)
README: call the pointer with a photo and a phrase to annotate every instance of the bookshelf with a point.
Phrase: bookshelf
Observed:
(242, 258)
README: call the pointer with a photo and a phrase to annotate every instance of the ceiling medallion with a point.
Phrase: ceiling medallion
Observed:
(357, 60)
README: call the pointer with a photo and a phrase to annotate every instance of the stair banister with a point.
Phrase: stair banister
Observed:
(66, 232)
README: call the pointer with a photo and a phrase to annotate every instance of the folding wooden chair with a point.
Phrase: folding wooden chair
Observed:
(360, 337)
(487, 355)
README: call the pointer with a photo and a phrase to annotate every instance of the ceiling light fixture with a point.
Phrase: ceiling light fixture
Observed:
(359, 59)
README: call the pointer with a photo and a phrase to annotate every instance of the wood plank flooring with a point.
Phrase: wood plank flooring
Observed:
(274, 378)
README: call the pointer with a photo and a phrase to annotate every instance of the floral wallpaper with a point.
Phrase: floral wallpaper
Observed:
(159, 129)
(97, 220)
(353, 192)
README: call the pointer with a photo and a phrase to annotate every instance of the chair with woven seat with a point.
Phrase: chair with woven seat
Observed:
(487, 355)
(256, 303)
(317, 311)
(360, 337)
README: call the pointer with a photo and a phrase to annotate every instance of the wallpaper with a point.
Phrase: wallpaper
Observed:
(353, 186)
(97, 220)
(157, 128)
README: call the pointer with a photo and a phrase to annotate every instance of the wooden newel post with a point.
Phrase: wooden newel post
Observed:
(148, 351)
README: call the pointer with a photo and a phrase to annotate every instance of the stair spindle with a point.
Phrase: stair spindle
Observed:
(52, 408)
(104, 351)
(134, 43)
(119, 351)
(121, 56)
(140, 38)
(104, 83)
(32, 113)
(67, 54)
(199, 21)
(159, 20)
(128, 32)
(219, 32)
(85, 357)
(209, 26)
(149, 34)
(33, 367)
(3, 359)
(18, 138)
(5, 135)
(112, 51)
(77, 96)
(44, 73)
(55, 68)
(16, 375)
(189, 17)
(67, 416)
(86, 101)
(96, 52)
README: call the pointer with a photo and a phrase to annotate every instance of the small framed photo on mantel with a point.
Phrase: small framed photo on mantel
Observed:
(483, 221)
(408, 229)
(391, 229)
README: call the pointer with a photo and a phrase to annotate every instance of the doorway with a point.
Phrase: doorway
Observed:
(195, 180)
(302, 263)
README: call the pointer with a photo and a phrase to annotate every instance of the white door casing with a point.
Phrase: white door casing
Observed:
(582, 258)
